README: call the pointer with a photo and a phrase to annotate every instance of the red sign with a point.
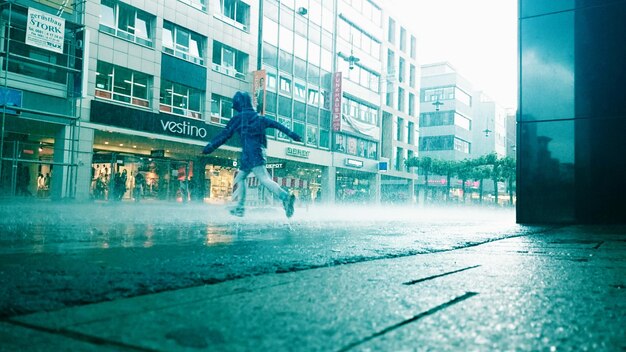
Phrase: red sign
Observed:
(337, 101)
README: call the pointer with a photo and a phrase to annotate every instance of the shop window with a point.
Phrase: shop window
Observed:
(126, 22)
(183, 43)
(122, 85)
(221, 109)
(180, 100)
(229, 61)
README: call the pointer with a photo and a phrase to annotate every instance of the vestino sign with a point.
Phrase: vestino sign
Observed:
(184, 129)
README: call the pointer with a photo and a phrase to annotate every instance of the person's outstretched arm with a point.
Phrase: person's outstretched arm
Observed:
(222, 137)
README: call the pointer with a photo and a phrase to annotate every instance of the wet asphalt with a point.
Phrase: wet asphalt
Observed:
(59, 255)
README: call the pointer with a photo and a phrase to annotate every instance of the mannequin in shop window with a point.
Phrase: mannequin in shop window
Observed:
(251, 128)
(139, 184)
(41, 185)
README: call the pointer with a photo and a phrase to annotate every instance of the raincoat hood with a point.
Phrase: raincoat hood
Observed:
(241, 101)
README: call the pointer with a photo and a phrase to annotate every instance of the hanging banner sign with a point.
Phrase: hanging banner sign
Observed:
(258, 91)
(45, 31)
(337, 101)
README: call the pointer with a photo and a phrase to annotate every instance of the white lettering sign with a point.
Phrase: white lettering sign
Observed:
(300, 153)
(184, 128)
(45, 31)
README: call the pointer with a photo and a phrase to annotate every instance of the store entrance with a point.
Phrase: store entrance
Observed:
(353, 186)
(122, 176)
(26, 169)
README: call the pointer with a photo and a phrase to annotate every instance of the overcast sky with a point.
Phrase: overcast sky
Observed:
(478, 37)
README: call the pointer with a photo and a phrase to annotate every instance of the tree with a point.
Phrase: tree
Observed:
(492, 161)
(464, 173)
(445, 168)
(424, 164)
(509, 173)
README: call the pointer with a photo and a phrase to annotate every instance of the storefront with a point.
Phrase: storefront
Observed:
(28, 158)
(354, 186)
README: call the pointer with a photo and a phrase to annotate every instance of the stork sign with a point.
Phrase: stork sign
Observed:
(45, 31)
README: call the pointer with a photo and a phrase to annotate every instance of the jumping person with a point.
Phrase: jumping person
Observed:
(251, 128)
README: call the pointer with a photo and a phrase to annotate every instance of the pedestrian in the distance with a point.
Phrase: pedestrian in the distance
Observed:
(251, 128)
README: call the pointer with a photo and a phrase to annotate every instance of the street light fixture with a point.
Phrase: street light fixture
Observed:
(352, 60)
(437, 104)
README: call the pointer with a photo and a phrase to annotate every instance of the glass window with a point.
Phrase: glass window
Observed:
(107, 13)
(299, 91)
(314, 53)
(549, 49)
(300, 47)
(311, 135)
(270, 31)
(142, 25)
(463, 97)
(315, 12)
(391, 34)
(462, 121)
(286, 39)
(271, 81)
(198, 4)
(168, 36)
(126, 22)
(436, 143)
(399, 128)
(287, 122)
(401, 106)
(122, 85)
(284, 106)
(285, 85)
(461, 146)
(229, 61)
(221, 109)
(180, 100)
(313, 97)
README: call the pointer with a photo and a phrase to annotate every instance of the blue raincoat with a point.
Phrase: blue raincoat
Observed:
(251, 128)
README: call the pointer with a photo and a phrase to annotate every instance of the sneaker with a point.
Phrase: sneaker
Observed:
(288, 205)
(237, 212)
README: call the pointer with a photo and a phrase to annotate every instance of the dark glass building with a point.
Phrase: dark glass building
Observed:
(572, 112)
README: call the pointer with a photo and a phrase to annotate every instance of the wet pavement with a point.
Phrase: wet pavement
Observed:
(190, 277)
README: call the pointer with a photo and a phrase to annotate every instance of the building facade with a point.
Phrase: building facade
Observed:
(571, 112)
(400, 111)
(446, 113)
(131, 89)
